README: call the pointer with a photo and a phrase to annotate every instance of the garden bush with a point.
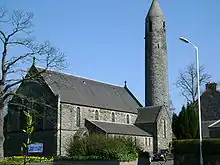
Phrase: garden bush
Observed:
(191, 146)
(100, 147)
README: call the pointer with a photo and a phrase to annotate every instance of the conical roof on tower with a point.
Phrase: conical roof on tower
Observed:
(155, 9)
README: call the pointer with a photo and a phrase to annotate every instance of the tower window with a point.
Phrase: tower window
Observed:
(127, 119)
(164, 26)
(96, 115)
(78, 117)
(158, 45)
(113, 117)
(150, 26)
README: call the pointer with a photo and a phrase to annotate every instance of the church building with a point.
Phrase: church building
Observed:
(66, 105)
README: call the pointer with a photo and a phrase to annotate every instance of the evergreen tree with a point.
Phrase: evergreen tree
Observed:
(185, 125)
(176, 125)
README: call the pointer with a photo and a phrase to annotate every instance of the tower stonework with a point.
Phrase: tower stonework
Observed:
(156, 72)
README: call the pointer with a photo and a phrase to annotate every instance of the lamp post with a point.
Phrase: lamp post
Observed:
(197, 66)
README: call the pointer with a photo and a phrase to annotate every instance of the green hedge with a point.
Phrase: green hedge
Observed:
(191, 146)
(100, 147)
(20, 160)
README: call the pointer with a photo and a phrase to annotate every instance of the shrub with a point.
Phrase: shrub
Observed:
(191, 146)
(100, 147)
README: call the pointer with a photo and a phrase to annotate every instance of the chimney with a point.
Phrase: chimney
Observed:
(211, 86)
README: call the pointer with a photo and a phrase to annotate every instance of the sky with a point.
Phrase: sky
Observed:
(104, 40)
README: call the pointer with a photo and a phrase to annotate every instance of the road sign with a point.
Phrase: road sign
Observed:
(35, 148)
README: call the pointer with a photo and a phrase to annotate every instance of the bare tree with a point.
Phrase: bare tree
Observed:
(18, 49)
(187, 82)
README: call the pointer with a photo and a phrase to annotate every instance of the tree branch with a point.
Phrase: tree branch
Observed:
(187, 82)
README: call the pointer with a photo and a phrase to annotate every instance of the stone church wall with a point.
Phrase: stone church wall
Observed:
(69, 116)
(164, 138)
(152, 129)
(68, 120)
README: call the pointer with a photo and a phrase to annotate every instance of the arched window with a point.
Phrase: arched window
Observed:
(113, 117)
(96, 115)
(78, 117)
(128, 119)
(164, 128)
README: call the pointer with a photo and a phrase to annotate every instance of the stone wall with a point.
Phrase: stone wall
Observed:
(69, 116)
(14, 141)
(156, 67)
(152, 129)
(69, 124)
(214, 132)
(164, 129)
(46, 132)
(194, 160)
(102, 162)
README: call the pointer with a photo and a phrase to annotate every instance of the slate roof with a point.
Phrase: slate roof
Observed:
(148, 114)
(155, 9)
(205, 128)
(82, 91)
(118, 128)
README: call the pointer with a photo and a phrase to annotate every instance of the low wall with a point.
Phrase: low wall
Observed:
(137, 162)
(194, 160)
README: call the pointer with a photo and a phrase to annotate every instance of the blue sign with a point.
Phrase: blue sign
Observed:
(35, 148)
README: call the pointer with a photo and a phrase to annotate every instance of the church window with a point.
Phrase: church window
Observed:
(96, 115)
(78, 117)
(150, 26)
(158, 45)
(128, 119)
(164, 128)
(147, 141)
(113, 117)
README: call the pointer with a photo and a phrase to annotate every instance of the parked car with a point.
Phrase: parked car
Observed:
(161, 155)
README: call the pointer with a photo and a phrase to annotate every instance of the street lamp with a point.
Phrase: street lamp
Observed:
(197, 66)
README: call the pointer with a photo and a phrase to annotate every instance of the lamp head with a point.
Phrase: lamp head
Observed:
(184, 39)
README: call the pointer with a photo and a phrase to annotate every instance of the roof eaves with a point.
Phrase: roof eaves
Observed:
(85, 105)
(37, 68)
(216, 122)
(97, 126)
(132, 95)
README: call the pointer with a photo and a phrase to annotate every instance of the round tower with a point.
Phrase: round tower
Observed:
(156, 69)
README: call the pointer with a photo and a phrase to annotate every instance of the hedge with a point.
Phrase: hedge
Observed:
(20, 160)
(100, 147)
(191, 146)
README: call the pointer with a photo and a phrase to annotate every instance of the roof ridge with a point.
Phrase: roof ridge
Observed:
(69, 74)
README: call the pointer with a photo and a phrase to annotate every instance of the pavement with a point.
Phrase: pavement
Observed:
(169, 162)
